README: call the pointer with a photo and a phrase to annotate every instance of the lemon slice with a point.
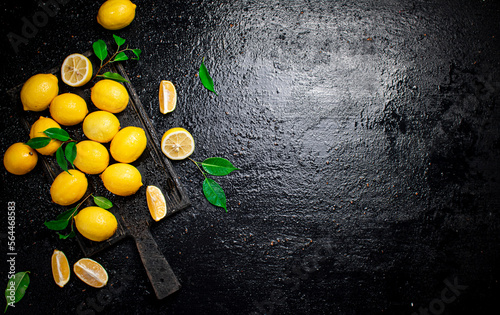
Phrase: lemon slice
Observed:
(91, 272)
(156, 203)
(168, 97)
(177, 143)
(76, 70)
(60, 268)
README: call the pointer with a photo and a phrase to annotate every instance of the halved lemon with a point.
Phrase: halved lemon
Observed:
(91, 272)
(76, 70)
(177, 143)
(156, 203)
(168, 97)
(60, 268)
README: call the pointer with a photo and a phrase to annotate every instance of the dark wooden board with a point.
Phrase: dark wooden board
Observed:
(131, 212)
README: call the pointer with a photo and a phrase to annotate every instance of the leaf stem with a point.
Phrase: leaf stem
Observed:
(198, 166)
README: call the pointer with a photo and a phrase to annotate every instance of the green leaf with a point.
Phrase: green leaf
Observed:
(70, 152)
(57, 225)
(136, 52)
(57, 133)
(70, 235)
(38, 142)
(100, 49)
(214, 193)
(67, 215)
(118, 40)
(61, 159)
(103, 202)
(17, 284)
(113, 76)
(120, 57)
(205, 77)
(217, 166)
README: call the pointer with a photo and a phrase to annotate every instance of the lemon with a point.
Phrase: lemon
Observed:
(116, 14)
(68, 109)
(96, 224)
(20, 159)
(60, 268)
(122, 179)
(91, 272)
(177, 143)
(101, 126)
(167, 96)
(128, 144)
(38, 91)
(156, 203)
(91, 157)
(68, 188)
(76, 70)
(110, 96)
(37, 130)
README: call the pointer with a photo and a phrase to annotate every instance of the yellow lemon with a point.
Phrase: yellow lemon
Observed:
(37, 130)
(68, 109)
(177, 143)
(76, 70)
(91, 272)
(101, 126)
(128, 144)
(110, 96)
(38, 91)
(68, 188)
(122, 179)
(91, 157)
(116, 14)
(96, 224)
(20, 159)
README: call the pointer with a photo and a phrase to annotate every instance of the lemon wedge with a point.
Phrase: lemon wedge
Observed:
(156, 203)
(168, 97)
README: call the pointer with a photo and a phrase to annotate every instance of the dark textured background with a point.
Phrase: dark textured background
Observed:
(367, 134)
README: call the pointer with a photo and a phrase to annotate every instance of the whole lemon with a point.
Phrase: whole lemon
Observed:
(91, 157)
(68, 109)
(68, 188)
(20, 159)
(116, 14)
(37, 129)
(110, 96)
(96, 224)
(122, 179)
(128, 144)
(101, 126)
(38, 91)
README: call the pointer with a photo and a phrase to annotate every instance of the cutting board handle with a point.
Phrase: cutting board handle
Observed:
(159, 272)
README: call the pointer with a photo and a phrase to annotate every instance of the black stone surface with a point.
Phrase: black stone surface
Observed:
(367, 134)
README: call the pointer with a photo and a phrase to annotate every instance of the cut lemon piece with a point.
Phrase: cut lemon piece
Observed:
(76, 70)
(91, 272)
(156, 203)
(177, 143)
(168, 97)
(60, 268)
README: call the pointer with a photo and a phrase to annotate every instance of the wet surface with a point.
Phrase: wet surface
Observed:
(366, 133)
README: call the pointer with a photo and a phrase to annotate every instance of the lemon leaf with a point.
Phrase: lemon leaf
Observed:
(113, 76)
(17, 283)
(57, 133)
(118, 40)
(57, 225)
(38, 142)
(205, 77)
(214, 193)
(70, 235)
(103, 202)
(70, 152)
(61, 159)
(136, 52)
(100, 49)
(120, 57)
(218, 166)
(67, 215)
